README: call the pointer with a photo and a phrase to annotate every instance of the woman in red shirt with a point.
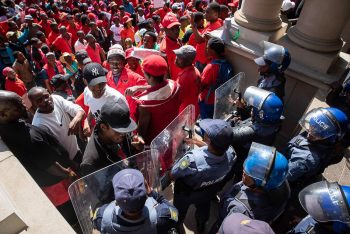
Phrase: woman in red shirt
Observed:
(52, 67)
(128, 31)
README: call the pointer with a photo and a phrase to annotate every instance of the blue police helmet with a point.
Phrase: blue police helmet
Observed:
(266, 166)
(325, 201)
(276, 56)
(267, 106)
(325, 123)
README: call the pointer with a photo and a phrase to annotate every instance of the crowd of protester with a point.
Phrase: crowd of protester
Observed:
(97, 81)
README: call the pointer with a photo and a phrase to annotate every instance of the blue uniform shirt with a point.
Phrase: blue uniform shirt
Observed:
(199, 168)
(306, 159)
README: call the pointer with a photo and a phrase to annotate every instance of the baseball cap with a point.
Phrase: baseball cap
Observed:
(155, 65)
(219, 132)
(118, 117)
(114, 52)
(6, 70)
(217, 45)
(170, 20)
(28, 17)
(126, 19)
(116, 46)
(82, 57)
(186, 51)
(237, 223)
(50, 54)
(58, 80)
(94, 74)
(129, 190)
(260, 61)
(176, 6)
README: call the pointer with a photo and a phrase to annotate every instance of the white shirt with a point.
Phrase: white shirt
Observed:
(80, 46)
(58, 123)
(116, 32)
(95, 105)
(140, 18)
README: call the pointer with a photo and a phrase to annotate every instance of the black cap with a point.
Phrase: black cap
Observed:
(217, 45)
(94, 74)
(117, 115)
(58, 80)
(82, 57)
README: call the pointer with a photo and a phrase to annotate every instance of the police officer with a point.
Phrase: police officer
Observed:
(272, 65)
(136, 209)
(339, 97)
(310, 152)
(263, 192)
(261, 127)
(198, 173)
(328, 207)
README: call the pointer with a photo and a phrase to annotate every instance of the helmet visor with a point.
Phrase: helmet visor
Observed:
(324, 202)
(259, 161)
(255, 96)
(319, 123)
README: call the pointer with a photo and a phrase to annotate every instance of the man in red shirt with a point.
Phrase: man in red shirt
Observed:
(121, 78)
(45, 23)
(55, 32)
(133, 62)
(12, 83)
(189, 77)
(212, 14)
(171, 42)
(63, 42)
(163, 11)
(159, 104)
(94, 50)
(72, 28)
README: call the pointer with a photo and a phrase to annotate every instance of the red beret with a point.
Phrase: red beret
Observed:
(155, 65)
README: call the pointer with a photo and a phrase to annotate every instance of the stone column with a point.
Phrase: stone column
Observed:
(260, 15)
(320, 25)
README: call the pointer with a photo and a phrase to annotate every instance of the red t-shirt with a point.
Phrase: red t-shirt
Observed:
(201, 47)
(127, 79)
(16, 86)
(80, 101)
(51, 71)
(52, 37)
(209, 77)
(62, 44)
(46, 26)
(128, 33)
(73, 30)
(166, 47)
(161, 12)
(189, 80)
(94, 54)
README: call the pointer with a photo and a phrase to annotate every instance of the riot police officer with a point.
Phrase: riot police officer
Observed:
(136, 209)
(328, 207)
(339, 97)
(272, 65)
(199, 172)
(263, 192)
(262, 127)
(310, 152)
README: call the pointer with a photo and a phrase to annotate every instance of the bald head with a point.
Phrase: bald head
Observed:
(41, 100)
(34, 91)
(11, 107)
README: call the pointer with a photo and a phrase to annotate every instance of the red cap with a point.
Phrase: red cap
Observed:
(234, 3)
(32, 11)
(128, 53)
(6, 70)
(155, 65)
(126, 19)
(92, 16)
(170, 20)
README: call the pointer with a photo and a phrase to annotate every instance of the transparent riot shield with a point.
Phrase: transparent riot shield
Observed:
(170, 144)
(225, 95)
(94, 190)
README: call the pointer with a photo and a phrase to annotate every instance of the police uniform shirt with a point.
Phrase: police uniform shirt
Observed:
(306, 159)
(167, 215)
(199, 168)
(265, 206)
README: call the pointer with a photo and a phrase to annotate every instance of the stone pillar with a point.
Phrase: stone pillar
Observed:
(320, 25)
(260, 15)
